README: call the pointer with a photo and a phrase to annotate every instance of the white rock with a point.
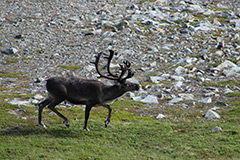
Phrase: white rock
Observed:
(205, 100)
(150, 99)
(226, 64)
(217, 129)
(19, 102)
(160, 116)
(227, 90)
(186, 96)
(219, 53)
(180, 70)
(177, 78)
(231, 72)
(177, 84)
(10, 51)
(34, 101)
(38, 97)
(212, 114)
(175, 100)
(138, 98)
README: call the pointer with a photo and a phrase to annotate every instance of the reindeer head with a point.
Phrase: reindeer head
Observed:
(125, 67)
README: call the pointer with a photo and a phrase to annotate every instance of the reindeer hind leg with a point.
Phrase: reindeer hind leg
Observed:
(41, 105)
(52, 106)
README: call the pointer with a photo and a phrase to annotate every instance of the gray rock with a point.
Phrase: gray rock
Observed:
(177, 78)
(217, 128)
(175, 100)
(122, 25)
(10, 51)
(186, 96)
(180, 70)
(146, 99)
(226, 64)
(177, 84)
(205, 100)
(234, 71)
(16, 101)
(150, 99)
(211, 114)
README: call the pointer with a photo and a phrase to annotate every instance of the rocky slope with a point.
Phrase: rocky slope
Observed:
(184, 53)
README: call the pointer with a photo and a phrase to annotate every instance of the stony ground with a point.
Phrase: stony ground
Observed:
(184, 53)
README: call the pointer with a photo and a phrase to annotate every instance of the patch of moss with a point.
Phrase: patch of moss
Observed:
(9, 61)
(234, 94)
(74, 68)
(222, 83)
(10, 74)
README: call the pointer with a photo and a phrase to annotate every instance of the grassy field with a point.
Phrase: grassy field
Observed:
(183, 134)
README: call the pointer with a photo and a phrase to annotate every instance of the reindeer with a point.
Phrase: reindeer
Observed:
(88, 92)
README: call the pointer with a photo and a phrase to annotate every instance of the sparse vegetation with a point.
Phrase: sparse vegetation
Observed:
(222, 83)
(74, 68)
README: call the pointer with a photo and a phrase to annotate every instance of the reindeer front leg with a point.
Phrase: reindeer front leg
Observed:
(87, 112)
(109, 114)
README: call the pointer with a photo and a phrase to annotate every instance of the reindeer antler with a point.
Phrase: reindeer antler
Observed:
(112, 76)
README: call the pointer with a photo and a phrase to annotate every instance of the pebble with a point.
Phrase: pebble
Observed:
(205, 100)
(217, 128)
(160, 116)
(211, 114)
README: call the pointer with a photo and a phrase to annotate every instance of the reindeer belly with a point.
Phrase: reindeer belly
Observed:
(77, 101)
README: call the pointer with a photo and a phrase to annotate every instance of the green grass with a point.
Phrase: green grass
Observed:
(14, 60)
(183, 134)
(222, 83)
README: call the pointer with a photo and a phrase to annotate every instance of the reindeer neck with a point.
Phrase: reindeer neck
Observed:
(112, 92)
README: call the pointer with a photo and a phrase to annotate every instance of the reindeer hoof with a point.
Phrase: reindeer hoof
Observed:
(42, 125)
(66, 123)
(106, 123)
(86, 129)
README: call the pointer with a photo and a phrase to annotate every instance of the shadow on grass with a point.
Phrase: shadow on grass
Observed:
(60, 132)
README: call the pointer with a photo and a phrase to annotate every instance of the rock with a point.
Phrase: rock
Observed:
(160, 116)
(150, 99)
(146, 99)
(16, 101)
(130, 94)
(226, 64)
(211, 114)
(234, 71)
(205, 100)
(175, 100)
(217, 128)
(13, 112)
(152, 49)
(19, 36)
(10, 51)
(177, 84)
(180, 70)
(227, 90)
(155, 79)
(186, 96)
(122, 25)
(38, 97)
(177, 78)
